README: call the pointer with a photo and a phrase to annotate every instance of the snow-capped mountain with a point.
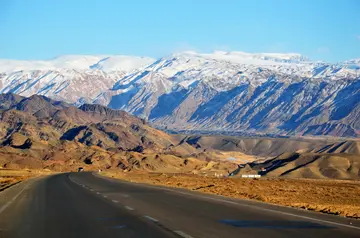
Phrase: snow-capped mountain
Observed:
(107, 63)
(71, 78)
(235, 91)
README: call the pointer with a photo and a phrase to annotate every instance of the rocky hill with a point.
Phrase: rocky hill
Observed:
(38, 132)
(287, 157)
(339, 160)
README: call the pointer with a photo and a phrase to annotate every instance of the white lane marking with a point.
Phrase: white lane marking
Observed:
(104, 196)
(71, 179)
(305, 217)
(75, 181)
(182, 234)
(239, 204)
(97, 193)
(12, 200)
(270, 210)
(129, 208)
(216, 199)
(115, 201)
(125, 195)
(151, 218)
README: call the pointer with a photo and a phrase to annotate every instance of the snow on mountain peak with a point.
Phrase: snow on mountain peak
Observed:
(247, 58)
(78, 62)
(268, 92)
(257, 58)
(122, 63)
(353, 61)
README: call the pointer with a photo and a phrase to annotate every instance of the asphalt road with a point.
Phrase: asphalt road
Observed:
(88, 205)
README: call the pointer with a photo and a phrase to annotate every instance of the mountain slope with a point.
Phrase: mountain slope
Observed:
(38, 132)
(281, 94)
(69, 78)
(221, 92)
(263, 147)
(308, 165)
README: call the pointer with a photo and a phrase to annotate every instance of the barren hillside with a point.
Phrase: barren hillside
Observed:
(38, 132)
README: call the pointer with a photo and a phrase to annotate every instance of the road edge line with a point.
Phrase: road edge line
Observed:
(151, 218)
(221, 199)
(12, 200)
(183, 234)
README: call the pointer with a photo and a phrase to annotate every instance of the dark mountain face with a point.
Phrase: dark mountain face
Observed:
(102, 113)
(307, 107)
(8, 100)
(96, 119)
(40, 106)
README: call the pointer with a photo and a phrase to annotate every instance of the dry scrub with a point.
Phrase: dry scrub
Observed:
(327, 196)
(9, 177)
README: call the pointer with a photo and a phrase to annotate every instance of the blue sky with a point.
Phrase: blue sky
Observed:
(42, 29)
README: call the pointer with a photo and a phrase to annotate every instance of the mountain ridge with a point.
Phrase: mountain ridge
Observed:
(282, 94)
(38, 132)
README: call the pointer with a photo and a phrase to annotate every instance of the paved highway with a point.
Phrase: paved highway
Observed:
(88, 205)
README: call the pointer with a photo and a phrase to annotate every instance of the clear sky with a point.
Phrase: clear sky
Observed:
(326, 30)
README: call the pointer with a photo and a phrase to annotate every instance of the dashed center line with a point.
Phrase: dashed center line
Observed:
(182, 234)
(104, 196)
(129, 208)
(97, 193)
(115, 201)
(151, 218)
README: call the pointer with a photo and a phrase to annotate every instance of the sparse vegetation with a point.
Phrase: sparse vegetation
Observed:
(337, 197)
(8, 177)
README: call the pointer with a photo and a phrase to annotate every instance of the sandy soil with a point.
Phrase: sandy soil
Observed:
(336, 197)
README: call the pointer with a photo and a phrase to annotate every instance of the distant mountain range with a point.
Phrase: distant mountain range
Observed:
(281, 94)
(38, 132)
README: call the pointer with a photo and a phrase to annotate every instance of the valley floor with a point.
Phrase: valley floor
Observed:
(337, 197)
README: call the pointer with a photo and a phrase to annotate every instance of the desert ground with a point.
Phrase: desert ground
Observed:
(338, 197)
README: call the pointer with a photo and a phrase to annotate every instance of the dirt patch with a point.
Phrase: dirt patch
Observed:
(327, 196)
